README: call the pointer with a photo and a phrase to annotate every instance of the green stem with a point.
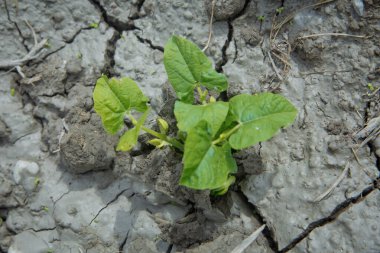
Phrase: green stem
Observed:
(224, 136)
(161, 136)
(164, 137)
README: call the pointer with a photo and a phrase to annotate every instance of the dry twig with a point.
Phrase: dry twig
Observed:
(34, 53)
(334, 185)
(369, 132)
(277, 27)
(275, 67)
(246, 242)
(366, 171)
(210, 26)
(331, 34)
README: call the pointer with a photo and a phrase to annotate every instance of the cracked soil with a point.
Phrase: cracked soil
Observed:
(64, 188)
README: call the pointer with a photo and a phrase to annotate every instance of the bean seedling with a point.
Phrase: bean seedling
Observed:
(208, 129)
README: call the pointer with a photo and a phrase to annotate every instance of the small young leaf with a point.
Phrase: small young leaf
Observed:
(187, 66)
(13, 92)
(129, 138)
(184, 63)
(163, 125)
(158, 143)
(114, 97)
(260, 117)
(206, 166)
(94, 25)
(188, 116)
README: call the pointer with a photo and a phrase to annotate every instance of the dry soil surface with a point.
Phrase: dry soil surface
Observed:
(63, 188)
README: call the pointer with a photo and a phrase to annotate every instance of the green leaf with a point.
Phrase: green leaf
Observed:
(206, 166)
(187, 66)
(158, 143)
(188, 116)
(214, 80)
(113, 98)
(163, 125)
(224, 188)
(129, 138)
(259, 117)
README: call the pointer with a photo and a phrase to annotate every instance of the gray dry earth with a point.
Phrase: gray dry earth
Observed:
(63, 188)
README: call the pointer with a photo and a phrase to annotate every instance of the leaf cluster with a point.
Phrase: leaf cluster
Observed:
(208, 129)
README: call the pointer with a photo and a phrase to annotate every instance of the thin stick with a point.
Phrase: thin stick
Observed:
(210, 26)
(246, 242)
(278, 27)
(281, 58)
(356, 156)
(33, 32)
(274, 67)
(360, 116)
(19, 71)
(361, 165)
(373, 135)
(331, 34)
(33, 54)
(334, 185)
(371, 126)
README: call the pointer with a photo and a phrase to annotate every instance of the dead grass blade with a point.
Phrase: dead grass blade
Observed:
(331, 34)
(210, 26)
(246, 242)
(277, 27)
(334, 185)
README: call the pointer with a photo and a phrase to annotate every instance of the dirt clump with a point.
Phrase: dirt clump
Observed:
(225, 9)
(87, 147)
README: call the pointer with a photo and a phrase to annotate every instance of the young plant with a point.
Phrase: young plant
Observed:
(208, 129)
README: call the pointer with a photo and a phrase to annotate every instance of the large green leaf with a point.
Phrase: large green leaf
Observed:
(206, 166)
(113, 98)
(187, 66)
(129, 138)
(188, 116)
(259, 117)
(214, 80)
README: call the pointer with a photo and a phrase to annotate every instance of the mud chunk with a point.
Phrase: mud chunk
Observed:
(225, 9)
(29, 241)
(24, 173)
(87, 147)
(10, 195)
(74, 66)
(188, 230)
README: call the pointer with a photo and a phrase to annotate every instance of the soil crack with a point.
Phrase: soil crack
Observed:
(113, 22)
(67, 42)
(150, 43)
(341, 208)
(121, 248)
(16, 26)
(41, 229)
(109, 203)
(268, 233)
(224, 60)
(109, 55)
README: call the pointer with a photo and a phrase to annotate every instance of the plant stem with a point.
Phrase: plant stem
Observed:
(164, 137)
(224, 136)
